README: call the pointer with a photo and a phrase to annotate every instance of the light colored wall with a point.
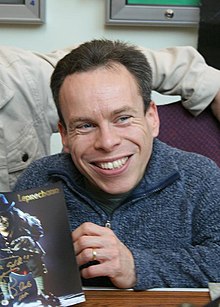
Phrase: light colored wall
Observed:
(73, 21)
(69, 22)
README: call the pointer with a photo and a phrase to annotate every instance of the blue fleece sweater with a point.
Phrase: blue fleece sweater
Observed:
(170, 221)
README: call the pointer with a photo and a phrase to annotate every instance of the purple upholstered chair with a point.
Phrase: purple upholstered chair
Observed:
(199, 134)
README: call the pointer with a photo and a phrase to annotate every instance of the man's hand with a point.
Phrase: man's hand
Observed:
(93, 242)
(215, 106)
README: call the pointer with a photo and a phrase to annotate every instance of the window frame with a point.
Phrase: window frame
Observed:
(120, 13)
(29, 12)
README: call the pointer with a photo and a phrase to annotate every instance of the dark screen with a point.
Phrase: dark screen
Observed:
(209, 32)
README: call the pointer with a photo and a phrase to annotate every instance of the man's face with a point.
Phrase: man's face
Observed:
(108, 135)
(4, 223)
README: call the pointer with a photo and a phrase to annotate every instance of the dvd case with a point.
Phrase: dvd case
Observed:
(37, 260)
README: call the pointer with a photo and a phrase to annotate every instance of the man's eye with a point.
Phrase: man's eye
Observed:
(123, 119)
(85, 126)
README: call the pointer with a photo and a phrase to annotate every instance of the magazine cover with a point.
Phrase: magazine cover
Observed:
(37, 261)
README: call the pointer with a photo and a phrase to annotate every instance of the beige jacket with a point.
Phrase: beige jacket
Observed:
(28, 116)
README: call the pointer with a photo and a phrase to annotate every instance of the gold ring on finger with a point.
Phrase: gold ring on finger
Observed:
(94, 254)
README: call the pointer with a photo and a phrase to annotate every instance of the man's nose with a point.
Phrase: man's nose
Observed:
(107, 138)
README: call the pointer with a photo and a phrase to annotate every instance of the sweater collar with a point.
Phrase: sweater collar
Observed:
(160, 172)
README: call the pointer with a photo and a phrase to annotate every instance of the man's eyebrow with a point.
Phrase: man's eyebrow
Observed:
(123, 109)
(79, 119)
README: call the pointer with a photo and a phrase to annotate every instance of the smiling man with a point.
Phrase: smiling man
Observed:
(111, 142)
(142, 214)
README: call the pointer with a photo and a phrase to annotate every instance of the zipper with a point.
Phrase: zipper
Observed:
(108, 224)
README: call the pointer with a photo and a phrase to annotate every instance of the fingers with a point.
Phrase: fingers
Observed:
(88, 238)
(104, 247)
(89, 235)
(97, 270)
(117, 264)
(112, 258)
(102, 254)
(89, 229)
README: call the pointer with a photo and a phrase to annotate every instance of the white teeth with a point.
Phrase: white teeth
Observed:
(114, 164)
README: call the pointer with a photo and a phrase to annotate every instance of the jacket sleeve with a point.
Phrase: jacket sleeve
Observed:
(176, 71)
(183, 71)
(28, 115)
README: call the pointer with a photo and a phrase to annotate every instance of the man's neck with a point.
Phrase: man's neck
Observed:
(108, 202)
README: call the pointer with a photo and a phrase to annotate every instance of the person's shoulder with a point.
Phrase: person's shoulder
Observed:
(51, 162)
(195, 166)
(185, 160)
(38, 172)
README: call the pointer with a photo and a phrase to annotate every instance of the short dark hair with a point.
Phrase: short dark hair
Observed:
(98, 53)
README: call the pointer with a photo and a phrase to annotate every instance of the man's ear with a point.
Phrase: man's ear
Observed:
(64, 137)
(153, 118)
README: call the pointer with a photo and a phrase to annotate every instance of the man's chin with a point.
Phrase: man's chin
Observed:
(114, 190)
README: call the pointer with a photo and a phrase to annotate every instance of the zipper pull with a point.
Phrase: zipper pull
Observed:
(108, 224)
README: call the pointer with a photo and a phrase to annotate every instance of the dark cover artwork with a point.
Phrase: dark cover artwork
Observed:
(37, 260)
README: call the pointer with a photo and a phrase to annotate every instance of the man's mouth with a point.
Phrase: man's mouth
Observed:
(113, 164)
